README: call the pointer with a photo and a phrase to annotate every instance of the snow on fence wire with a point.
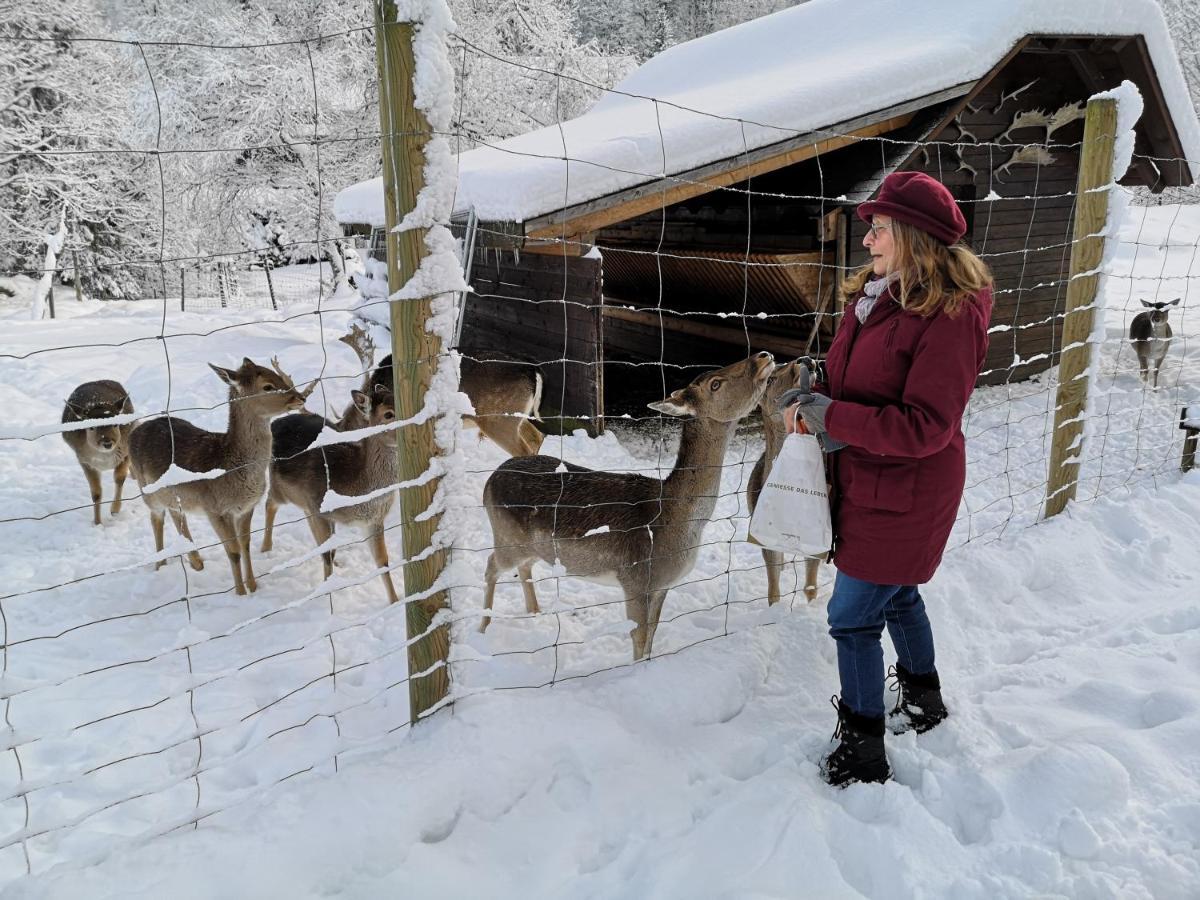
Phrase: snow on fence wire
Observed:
(138, 702)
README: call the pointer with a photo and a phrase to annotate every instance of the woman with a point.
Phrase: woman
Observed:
(898, 376)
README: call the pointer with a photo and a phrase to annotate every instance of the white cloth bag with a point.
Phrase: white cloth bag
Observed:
(792, 513)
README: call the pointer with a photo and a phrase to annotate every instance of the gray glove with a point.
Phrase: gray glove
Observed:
(812, 409)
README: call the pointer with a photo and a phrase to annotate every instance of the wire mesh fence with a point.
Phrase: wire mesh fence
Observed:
(142, 694)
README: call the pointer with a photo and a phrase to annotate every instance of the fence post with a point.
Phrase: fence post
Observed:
(50, 296)
(182, 287)
(1087, 251)
(415, 353)
(270, 284)
(1190, 423)
(221, 284)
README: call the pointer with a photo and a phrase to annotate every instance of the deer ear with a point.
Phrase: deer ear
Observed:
(362, 401)
(1147, 304)
(229, 376)
(674, 405)
(1175, 302)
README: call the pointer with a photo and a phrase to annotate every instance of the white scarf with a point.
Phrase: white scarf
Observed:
(872, 291)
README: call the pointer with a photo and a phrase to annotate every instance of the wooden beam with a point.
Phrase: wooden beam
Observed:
(692, 184)
(1087, 71)
(723, 333)
(1159, 124)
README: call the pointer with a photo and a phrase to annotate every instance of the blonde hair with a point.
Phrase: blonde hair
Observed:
(932, 277)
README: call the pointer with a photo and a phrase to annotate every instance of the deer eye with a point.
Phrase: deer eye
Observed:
(388, 416)
(269, 387)
(715, 385)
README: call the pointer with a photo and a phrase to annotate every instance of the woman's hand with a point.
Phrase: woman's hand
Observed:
(793, 423)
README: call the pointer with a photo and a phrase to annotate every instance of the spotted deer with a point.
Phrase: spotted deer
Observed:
(1150, 335)
(640, 533)
(243, 451)
(785, 377)
(304, 475)
(101, 447)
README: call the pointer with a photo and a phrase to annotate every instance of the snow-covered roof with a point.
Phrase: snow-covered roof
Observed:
(771, 79)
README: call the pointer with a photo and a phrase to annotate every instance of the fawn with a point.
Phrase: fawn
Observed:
(785, 377)
(540, 508)
(101, 447)
(256, 395)
(303, 476)
(1151, 336)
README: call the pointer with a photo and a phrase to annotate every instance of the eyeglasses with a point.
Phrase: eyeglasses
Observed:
(875, 229)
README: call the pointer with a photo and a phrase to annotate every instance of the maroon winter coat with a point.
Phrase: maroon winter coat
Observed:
(900, 384)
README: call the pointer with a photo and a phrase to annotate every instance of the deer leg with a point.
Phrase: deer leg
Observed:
(379, 552)
(226, 530)
(774, 563)
(812, 565)
(244, 525)
(120, 473)
(321, 532)
(654, 605)
(157, 520)
(489, 591)
(181, 526)
(636, 612)
(525, 573)
(531, 437)
(269, 528)
(504, 431)
(93, 480)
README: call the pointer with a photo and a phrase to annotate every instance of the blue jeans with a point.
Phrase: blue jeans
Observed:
(858, 610)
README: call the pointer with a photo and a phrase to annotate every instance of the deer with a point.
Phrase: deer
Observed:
(786, 376)
(243, 451)
(642, 533)
(506, 395)
(360, 341)
(303, 475)
(101, 447)
(1150, 335)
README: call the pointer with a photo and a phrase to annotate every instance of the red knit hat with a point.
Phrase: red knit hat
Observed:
(918, 200)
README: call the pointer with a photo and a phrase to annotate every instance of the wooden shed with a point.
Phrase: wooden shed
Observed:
(625, 293)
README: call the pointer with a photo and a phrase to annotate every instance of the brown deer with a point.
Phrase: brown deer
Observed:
(1150, 334)
(643, 533)
(359, 340)
(243, 451)
(101, 447)
(785, 377)
(506, 395)
(303, 476)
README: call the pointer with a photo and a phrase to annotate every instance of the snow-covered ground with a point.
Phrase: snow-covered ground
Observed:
(142, 700)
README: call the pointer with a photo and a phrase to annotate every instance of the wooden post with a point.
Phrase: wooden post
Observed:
(221, 284)
(415, 352)
(271, 284)
(182, 288)
(1087, 250)
(1188, 462)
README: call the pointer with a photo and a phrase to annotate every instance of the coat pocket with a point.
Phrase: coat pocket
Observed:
(887, 486)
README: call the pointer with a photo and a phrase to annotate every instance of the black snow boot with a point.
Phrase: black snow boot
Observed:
(859, 756)
(919, 706)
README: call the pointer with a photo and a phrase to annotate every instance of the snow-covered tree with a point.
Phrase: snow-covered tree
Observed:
(63, 143)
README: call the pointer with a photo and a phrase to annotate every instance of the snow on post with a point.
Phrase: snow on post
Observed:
(1105, 155)
(417, 95)
(54, 245)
